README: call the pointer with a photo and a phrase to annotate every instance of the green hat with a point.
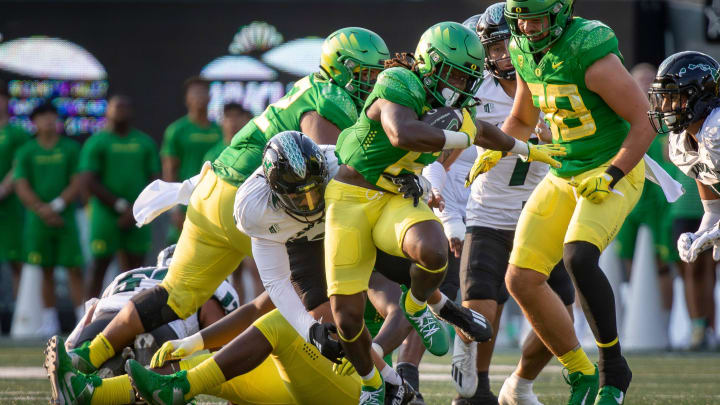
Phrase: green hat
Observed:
(559, 13)
(444, 48)
(346, 53)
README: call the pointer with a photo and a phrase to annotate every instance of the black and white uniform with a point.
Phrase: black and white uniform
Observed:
(130, 283)
(496, 200)
(699, 161)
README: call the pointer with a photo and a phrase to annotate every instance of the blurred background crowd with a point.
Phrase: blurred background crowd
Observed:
(97, 100)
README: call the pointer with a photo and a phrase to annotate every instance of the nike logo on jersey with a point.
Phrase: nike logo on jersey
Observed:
(557, 65)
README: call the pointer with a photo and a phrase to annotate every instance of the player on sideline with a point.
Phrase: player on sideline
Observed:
(563, 65)
(384, 151)
(492, 213)
(210, 245)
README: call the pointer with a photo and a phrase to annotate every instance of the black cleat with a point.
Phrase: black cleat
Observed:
(471, 324)
(399, 394)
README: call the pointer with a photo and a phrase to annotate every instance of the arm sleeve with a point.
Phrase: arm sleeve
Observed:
(435, 172)
(274, 267)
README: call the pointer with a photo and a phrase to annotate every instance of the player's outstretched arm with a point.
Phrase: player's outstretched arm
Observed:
(404, 129)
(626, 98)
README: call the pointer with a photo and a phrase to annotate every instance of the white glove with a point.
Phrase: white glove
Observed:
(177, 349)
(702, 242)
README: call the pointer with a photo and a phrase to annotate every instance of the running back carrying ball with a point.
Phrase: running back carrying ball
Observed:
(444, 118)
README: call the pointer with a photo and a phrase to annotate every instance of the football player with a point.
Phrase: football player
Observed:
(492, 213)
(562, 65)
(380, 158)
(210, 245)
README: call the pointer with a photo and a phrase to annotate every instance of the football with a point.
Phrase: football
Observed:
(444, 118)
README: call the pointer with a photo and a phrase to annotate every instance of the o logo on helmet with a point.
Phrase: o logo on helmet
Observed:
(518, 9)
(473, 67)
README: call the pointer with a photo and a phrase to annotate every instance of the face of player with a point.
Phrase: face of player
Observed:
(119, 111)
(197, 97)
(535, 28)
(232, 122)
(46, 123)
(498, 52)
(457, 79)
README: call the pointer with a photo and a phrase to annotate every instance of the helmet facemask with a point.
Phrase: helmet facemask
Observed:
(362, 81)
(307, 201)
(492, 64)
(671, 105)
(439, 82)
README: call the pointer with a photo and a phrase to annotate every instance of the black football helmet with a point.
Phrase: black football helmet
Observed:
(684, 91)
(297, 173)
(492, 28)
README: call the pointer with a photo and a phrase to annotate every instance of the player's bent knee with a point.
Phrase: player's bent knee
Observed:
(521, 282)
(580, 256)
(152, 308)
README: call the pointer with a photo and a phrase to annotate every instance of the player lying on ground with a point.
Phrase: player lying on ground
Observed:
(381, 156)
(492, 212)
(684, 101)
(210, 246)
(130, 283)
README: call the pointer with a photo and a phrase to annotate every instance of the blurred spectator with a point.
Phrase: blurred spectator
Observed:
(11, 211)
(185, 143)
(651, 210)
(117, 163)
(47, 183)
(234, 118)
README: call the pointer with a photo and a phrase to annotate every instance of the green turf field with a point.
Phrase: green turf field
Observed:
(663, 379)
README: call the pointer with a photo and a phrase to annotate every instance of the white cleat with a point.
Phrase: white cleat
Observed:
(464, 368)
(517, 391)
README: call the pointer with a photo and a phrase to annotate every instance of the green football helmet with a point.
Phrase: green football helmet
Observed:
(444, 49)
(349, 57)
(558, 12)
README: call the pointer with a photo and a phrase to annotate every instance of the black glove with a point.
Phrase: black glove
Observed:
(328, 347)
(410, 185)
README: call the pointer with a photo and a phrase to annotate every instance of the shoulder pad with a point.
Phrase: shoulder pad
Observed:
(401, 86)
(335, 104)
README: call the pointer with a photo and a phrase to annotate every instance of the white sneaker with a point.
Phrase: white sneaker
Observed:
(464, 368)
(516, 392)
(50, 325)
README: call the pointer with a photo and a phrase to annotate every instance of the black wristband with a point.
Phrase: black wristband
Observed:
(615, 173)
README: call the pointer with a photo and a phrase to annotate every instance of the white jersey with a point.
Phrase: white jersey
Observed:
(498, 196)
(128, 284)
(269, 227)
(701, 162)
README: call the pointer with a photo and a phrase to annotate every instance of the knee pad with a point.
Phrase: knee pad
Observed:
(152, 307)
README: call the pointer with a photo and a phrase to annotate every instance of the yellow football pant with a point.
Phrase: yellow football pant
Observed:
(555, 214)
(209, 249)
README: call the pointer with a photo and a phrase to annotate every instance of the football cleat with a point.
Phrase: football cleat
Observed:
(432, 332)
(158, 389)
(471, 324)
(68, 386)
(478, 399)
(81, 358)
(464, 367)
(610, 395)
(399, 394)
(371, 395)
(512, 394)
(418, 400)
(583, 388)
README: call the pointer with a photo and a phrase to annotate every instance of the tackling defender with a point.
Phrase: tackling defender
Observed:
(388, 146)
(563, 65)
(210, 246)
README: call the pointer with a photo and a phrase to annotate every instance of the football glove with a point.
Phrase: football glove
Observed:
(690, 245)
(410, 185)
(595, 188)
(483, 164)
(544, 153)
(328, 347)
(344, 368)
(177, 349)
(468, 126)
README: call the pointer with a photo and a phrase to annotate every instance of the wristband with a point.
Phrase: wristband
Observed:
(57, 205)
(455, 140)
(121, 205)
(378, 349)
(520, 148)
(616, 175)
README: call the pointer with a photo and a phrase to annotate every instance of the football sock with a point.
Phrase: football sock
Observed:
(577, 360)
(483, 382)
(205, 376)
(412, 304)
(114, 391)
(410, 373)
(390, 375)
(100, 350)
(373, 379)
(436, 307)
(521, 384)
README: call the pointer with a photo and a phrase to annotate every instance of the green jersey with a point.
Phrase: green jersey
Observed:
(366, 147)
(189, 142)
(48, 171)
(578, 117)
(124, 164)
(11, 139)
(311, 93)
(214, 151)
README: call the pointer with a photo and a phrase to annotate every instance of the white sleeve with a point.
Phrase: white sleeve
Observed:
(273, 265)
(435, 172)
